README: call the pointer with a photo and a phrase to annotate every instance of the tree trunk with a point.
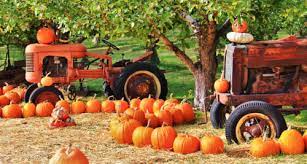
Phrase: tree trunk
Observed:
(204, 80)
(206, 70)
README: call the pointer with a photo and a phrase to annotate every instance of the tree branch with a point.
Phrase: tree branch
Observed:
(179, 53)
(223, 29)
(171, 46)
(192, 22)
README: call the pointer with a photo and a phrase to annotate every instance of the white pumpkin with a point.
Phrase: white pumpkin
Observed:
(240, 37)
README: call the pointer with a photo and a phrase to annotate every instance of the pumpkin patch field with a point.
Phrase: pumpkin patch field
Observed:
(29, 140)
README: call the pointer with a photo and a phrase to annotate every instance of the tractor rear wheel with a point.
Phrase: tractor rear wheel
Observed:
(140, 79)
(50, 94)
(30, 89)
(107, 89)
(254, 119)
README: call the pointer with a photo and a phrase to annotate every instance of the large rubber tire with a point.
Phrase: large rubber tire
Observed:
(119, 84)
(30, 89)
(254, 107)
(217, 114)
(39, 91)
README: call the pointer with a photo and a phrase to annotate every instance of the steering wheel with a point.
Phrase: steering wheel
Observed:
(110, 44)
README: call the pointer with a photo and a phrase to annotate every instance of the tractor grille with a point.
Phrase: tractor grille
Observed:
(29, 62)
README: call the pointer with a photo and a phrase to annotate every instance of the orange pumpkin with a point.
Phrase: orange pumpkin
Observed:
(212, 145)
(93, 106)
(171, 100)
(46, 80)
(1, 91)
(45, 35)
(69, 155)
(78, 107)
(275, 147)
(108, 106)
(113, 125)
(147, 104)
(157, 106)
(305, 139)
(163, 137)
(152, 120)
(135, 103)
(115, 121)
(7, 88)
(4, 100)
(63, 103)
(239, 27)
(178, 117)
(165, 117)
(138, 115)
(0, 112)
(28, 110)
(21, 92)
(168, 106)
(186, 144)
(124, 130)
(121, 106)
(11, 111)
(142, 136)
(187, 110)
(291, 142)
(261, 148)
(44, 109)
(221, 85)
(13, 97)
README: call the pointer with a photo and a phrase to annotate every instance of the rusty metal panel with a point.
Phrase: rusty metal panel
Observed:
(281, 99)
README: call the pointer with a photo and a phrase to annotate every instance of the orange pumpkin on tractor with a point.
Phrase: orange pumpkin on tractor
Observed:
(67, 63)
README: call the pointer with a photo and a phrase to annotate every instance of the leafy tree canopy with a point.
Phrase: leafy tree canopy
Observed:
(20, 18)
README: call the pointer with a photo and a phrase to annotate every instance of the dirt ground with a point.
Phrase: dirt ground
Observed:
(30, 141)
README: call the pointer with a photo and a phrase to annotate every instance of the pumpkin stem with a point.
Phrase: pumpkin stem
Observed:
(171, 95)
(148, 123)
(184, 100)
(77, 99)
(68, 150)
(117, 112)
(94, 96)
(6, 83)
(163, 124)
(48, 74)
(289, 127)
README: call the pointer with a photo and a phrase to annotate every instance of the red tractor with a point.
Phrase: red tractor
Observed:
(68, 63)
(267, 79)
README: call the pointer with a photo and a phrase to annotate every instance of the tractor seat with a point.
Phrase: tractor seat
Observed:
(77, 50)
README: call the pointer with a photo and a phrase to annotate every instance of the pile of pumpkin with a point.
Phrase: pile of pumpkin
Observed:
(149, 122)
(290, 142)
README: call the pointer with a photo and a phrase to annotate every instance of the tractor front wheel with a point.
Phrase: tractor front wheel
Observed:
(50, 94)
(254, 119)
(140, 79)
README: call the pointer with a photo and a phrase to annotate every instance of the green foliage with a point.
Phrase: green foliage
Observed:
(19, 19)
